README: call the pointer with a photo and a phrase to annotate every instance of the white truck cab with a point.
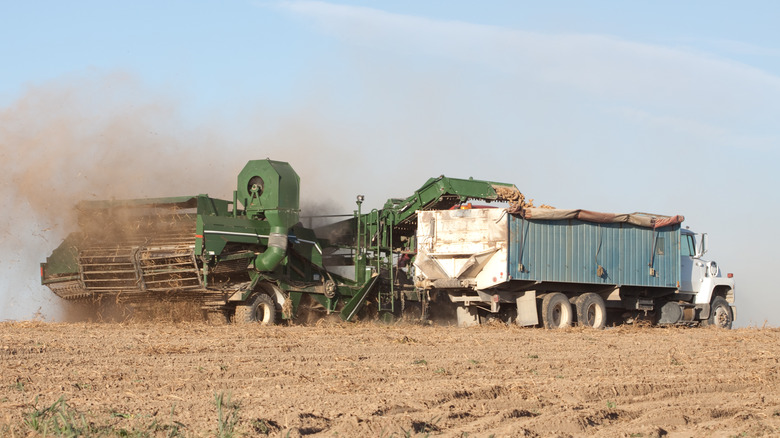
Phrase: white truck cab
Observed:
(711, 291)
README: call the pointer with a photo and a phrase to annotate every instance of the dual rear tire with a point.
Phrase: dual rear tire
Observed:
(591, 310)
(558, 312)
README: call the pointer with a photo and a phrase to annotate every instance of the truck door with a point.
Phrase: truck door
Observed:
(691, 273)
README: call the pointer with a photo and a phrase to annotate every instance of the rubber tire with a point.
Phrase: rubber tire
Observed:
(720, 314)
(556, 311)
(591, 310)
(260, 309)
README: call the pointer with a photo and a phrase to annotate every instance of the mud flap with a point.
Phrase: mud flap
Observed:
(353, 305)
(526, 309)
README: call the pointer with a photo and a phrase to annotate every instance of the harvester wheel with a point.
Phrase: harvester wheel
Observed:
(556, 311)
(720, 314)
(591, 310)
(260, 309)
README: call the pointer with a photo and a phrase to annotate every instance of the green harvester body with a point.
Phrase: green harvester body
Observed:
(221, 254)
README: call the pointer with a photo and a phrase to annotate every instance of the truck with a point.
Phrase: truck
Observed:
(557, 267)
(252, 259)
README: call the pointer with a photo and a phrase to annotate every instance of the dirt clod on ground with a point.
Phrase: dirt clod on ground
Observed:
(367, 379)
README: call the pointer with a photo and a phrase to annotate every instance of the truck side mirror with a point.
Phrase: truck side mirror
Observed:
(703, 246)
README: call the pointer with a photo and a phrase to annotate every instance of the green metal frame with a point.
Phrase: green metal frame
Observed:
(260, 227)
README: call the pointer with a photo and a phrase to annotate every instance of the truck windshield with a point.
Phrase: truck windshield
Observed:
(687, 245)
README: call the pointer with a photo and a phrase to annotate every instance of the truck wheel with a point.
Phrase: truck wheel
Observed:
(720, 313)
(591, 310)
(556, 311)
(260, 309)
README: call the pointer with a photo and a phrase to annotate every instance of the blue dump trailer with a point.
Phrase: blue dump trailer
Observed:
(558, 267)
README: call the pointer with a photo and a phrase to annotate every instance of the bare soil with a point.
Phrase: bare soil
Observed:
(368, 379)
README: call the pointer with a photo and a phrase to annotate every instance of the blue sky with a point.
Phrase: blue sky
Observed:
(659, 106)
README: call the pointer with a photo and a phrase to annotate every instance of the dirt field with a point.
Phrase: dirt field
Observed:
(165, 379)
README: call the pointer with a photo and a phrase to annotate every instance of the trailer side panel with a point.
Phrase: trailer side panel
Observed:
(575, 251)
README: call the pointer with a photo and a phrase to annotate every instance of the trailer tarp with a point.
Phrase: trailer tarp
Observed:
(638, 219)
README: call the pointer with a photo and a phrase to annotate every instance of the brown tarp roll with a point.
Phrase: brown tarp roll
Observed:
(639, 219)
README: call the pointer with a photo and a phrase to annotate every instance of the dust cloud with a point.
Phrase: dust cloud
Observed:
(59, 146)
(108, 137)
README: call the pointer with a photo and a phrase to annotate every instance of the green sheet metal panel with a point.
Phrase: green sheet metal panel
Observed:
(572, 251)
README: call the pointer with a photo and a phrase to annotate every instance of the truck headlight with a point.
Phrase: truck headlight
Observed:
(713, 269)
